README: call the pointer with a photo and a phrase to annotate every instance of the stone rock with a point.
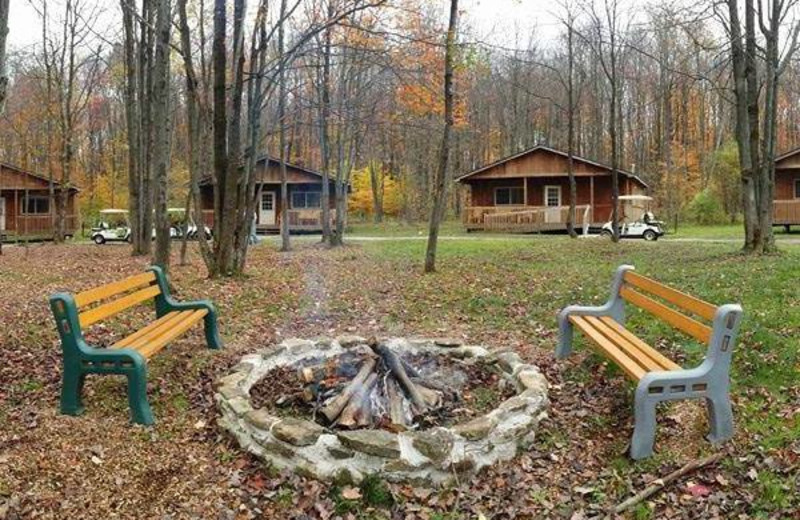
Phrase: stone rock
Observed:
(297, 431)
(372, 442)
(278, 448)
(232, 379)
(475, 429)
(231, 391)
(261, 419)
(469, 351)
(532, 379)
(435, 444)
(273, 351)
(239, 405)
(340, 452)
(448, 342)
(514, 404)
(297, 344)
(347, 340)
(244, 367)
(509, 361)
(323, 343)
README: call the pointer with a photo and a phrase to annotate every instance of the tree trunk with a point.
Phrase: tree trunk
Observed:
(4, 7)
(285, 243)
(440, 186)
(325, 104)
(161, 132)
(573, 188)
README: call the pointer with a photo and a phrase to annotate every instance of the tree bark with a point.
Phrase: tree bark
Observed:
(285, 242)
(161, 132)
(440, 185)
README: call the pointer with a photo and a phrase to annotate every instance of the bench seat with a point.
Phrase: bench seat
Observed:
(152, 338)
(630, 353)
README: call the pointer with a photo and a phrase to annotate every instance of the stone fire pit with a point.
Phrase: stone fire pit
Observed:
(417, 455)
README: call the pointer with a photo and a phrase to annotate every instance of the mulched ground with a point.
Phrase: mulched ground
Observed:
(475, 389)
(100, 466)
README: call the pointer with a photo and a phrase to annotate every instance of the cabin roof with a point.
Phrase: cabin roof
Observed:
(548, 149)
(37, 176)
(276, 162)
(787, 155)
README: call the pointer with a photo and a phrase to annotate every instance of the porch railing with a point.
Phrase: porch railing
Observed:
(786, 212)
(524, 218)
(38, 225)
(298, 218)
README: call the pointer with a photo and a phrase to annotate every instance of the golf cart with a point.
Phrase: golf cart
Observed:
(637, 220)
(112, 227)
(179, 225)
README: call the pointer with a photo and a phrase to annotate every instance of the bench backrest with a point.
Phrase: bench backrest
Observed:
(107, 300)
(636, 288)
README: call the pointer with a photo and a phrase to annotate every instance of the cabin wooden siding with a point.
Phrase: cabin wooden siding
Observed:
(15, 184)
(533, 171)
(786, 203)
(269, 180)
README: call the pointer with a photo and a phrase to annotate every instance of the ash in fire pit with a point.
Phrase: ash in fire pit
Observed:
(381, 388)
(408, 410)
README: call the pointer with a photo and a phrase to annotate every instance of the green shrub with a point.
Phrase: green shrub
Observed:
(705, 209)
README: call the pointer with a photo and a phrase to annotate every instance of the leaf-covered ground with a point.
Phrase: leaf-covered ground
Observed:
(496, 292)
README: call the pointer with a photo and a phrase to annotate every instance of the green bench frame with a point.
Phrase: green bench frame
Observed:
(81, 359)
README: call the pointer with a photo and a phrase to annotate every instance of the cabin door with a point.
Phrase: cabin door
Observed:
(267, 216)
(2, 214)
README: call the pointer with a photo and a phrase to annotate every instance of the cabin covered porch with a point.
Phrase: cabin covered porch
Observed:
(534, 204)
(304, 213)
(28, 214)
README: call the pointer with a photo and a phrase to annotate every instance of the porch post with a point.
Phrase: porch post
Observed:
(591, 197)
(525, 189)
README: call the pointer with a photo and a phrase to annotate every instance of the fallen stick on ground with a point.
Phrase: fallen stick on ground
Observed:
(661, 483)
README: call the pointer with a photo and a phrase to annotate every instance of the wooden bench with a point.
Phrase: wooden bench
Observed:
(129, 355)
(659, 378)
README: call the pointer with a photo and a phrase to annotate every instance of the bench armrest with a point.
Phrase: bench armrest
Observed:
(614, 307)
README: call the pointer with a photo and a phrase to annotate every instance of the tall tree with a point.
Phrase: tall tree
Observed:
(162, 131)
(3, 74)
(440, 182)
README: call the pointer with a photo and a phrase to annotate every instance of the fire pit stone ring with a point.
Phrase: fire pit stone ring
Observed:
(423, 456)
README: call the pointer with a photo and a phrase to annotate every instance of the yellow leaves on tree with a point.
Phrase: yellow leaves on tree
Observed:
(362, 200)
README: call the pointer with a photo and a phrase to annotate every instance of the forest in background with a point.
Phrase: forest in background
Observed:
(66, 111)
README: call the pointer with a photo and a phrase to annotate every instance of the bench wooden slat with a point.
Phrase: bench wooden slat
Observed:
(654, 354)
(682, 300)
(632, 350)
(131, 340)
(90, 296)
(156, 344)
(120, 304)
(627, 364)
(160, 330)
(676, 319)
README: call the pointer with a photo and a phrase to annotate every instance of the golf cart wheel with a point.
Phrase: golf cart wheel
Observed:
(650, 235)
(606, 234)
(99, 240)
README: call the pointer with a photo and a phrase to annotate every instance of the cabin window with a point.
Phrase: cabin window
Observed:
(36, 205)
(552, 196)
(306, 200)
(797, 188)
(512, 196)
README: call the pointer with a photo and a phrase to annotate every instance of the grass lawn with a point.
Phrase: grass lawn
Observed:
(494, 292)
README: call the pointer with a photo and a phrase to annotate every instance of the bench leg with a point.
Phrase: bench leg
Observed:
(644, 431)
(212, 332)
(720, 418)
(71, 391)
(137, 396)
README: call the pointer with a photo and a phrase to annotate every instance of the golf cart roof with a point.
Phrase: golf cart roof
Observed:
(636, 197)
(113, 211)
(176, 210)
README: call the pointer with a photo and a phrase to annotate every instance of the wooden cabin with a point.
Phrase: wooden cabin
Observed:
(26, 210)
(529, 192)
(305, 198)
(786, 209)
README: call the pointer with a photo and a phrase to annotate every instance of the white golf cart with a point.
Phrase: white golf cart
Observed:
(637, 220)
(112, 227)
(179, 225)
